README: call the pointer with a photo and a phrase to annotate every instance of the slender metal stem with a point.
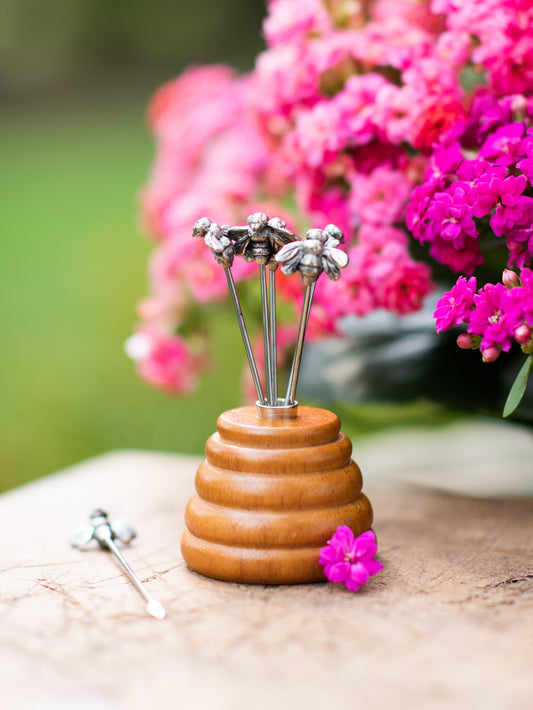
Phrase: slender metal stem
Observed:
(273, 336)
(313, 286)
(295, 369)
(153, 607)
(266, 335)
(245, 337)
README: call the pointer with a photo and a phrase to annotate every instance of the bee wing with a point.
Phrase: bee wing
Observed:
(241, 244)
(340, 258)
(332, 271)
(281, 236)
(289, 251)
(237, 233)
(289, 257)
(277, 242)
(123, 531)
(289, 267)
(82, 536)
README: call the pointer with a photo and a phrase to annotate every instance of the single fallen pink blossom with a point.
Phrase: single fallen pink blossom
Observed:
(350, 559)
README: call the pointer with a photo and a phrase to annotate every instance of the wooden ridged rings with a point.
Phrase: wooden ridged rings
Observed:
(269, 495)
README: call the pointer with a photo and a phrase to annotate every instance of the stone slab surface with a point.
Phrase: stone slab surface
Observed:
(447, 624)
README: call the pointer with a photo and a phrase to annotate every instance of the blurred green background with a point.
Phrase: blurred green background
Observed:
(75, 80)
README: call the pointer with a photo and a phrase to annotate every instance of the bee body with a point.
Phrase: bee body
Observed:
(313, 255)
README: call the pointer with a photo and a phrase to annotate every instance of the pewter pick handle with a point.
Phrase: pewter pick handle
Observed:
(101, 531)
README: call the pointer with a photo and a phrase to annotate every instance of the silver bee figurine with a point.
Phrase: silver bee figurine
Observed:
(335, 236)
(105, 533)
(217, 240)
(316, 253)
(270, 244)
(119, 530)
(261, 239)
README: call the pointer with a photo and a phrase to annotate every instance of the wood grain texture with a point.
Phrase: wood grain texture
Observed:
(269, 495)
(242, 426)
(272, 492)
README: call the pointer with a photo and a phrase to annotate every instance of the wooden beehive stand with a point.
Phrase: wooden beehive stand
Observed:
(275, 485)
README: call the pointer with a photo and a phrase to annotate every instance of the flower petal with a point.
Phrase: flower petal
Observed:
(330, 555)
(359, 573)
(337, 572)
(365, 545)
(342, 540)
(352, 585)
(372, 566)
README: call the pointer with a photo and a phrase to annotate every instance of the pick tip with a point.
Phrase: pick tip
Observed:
(156, 609)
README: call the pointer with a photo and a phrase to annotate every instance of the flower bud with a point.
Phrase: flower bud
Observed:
(510, 279)
(522, 334)
(490, 354)
(465, 341)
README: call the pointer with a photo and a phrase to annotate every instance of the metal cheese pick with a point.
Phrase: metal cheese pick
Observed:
(223, 250)
(105, 533)
(317, 253)
(259, 241)
(270, 243)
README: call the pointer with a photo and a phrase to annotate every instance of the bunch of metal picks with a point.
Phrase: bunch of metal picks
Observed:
(270, 244)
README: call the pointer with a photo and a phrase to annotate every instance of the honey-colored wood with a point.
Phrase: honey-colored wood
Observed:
(269, 495)
(259, 491)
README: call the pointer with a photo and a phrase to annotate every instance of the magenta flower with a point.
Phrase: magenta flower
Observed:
(495, 317)
(415, 215)
(350, 559)
(462, 260)
(522, 297)
(505, 146)
(526, 165)
(456, 305)
(513, 206)
(451, 217)
(483, 183)
(488, 113)
(444, 162)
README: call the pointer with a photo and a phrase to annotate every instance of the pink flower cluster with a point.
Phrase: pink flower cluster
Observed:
(349, 559)
(384, 117)
(477, 197)
(495, 315)
(464, 200)
(165, 361)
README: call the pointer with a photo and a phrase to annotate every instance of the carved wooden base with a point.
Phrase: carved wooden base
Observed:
(269, 495)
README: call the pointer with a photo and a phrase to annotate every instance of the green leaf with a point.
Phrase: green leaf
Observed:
(519, 387)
